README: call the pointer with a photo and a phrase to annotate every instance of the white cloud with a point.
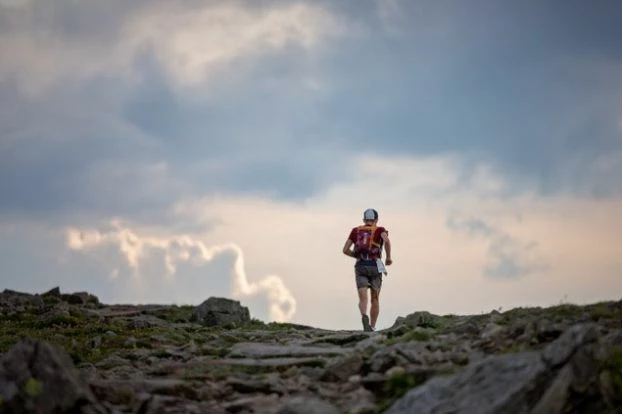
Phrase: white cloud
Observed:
(182, 248)
(192, 41)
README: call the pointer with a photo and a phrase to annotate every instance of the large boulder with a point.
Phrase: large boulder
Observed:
(222, 312)
(38, 377)
(526, 382)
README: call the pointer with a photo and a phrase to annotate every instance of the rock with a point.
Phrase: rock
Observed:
(344, 368)
(577, 336)
(54, 292)
(13, 302)
(422, 319)
(262, 350)
(79, 298)
(146, 321)
(513, 383)
(160, 359)
(360, 401)
(306, 405)
(222, 312)
(492, 331)
(252, 404)
(37, 377)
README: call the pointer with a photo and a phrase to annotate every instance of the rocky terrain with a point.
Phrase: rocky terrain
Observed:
(69, 353)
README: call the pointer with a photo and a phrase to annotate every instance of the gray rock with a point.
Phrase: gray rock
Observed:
(262, 350)
(559, 352)
(54, 292)
(306, 405)
(421, 318)
(13, 302)
(513, 383)
(145, 321)
(344, 367)
(37, 377)
(222, 312)
(493, 385)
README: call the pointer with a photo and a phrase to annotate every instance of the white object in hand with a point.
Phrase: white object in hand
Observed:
(381, 267)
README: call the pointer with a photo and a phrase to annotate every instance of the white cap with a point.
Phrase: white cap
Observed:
(370, 214)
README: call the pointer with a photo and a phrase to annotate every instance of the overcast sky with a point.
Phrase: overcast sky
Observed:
(165, 152)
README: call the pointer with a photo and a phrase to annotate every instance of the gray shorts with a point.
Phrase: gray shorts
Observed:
(368, 277)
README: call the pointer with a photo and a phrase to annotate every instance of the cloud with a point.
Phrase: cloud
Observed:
(175, 249)
(508, 256)
(192, 41)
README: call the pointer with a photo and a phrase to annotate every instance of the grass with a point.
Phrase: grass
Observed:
(76, 333)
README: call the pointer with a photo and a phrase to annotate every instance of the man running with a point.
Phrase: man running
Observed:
(365, 244)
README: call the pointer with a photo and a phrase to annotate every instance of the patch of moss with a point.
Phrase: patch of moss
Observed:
(58, 320)
(513, 348)
(396, 387)
(565, 310)
(33, 387)
(415, 335)
(612, 365)
(605, 311)
(176, 313)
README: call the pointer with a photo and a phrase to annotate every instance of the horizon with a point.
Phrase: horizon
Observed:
(165, 153)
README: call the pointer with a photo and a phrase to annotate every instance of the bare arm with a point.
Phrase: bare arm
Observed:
(347, 249)
(387, 247)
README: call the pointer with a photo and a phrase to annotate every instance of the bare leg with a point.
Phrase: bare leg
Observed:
(375, 306)
(363, 300)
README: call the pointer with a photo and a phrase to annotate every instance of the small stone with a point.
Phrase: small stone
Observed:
(396, 370)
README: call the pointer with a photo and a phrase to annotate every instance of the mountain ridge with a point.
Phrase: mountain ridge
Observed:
(68, 351)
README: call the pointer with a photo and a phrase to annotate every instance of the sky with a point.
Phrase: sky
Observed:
(166, 152)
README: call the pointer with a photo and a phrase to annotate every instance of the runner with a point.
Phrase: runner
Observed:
(365, 244)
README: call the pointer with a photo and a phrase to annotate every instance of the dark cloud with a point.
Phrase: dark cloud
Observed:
(523, 86)
(526, 87)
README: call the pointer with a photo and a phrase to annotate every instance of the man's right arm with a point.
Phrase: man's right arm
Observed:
(348, 244)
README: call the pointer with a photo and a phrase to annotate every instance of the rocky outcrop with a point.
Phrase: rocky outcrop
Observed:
(222, 312)
(535, 382)
(70, 356)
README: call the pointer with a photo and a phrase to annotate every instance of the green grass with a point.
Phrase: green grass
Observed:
(76, 334)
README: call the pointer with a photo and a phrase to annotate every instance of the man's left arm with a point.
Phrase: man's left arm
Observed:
(387, 247)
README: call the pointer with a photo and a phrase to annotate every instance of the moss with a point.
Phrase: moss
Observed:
(564, 311)
(176, 313)
(396, 387)
(415, 335)
(33, 388)
(62, 320)
(605, 311)
(512, 348)
(612, 366)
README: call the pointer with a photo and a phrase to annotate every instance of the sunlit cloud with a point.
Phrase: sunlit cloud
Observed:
(183, 248)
